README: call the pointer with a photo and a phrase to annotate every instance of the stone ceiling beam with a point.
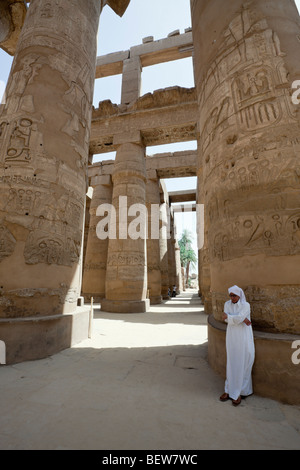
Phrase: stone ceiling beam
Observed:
(151, 53)
(164, 117)
(166, 165)
(184, 208)
(182, 196)
(173, 165)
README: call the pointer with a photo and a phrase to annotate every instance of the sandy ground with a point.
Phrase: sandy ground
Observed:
(142, 382)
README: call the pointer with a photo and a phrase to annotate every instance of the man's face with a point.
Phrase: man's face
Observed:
(234, 298)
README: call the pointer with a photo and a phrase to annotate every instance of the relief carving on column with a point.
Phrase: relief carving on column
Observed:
(41, 189)
(52, 243)
(256, 173)
(7, 242)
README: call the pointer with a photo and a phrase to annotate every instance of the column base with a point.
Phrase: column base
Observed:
(125, 306)
(32, 338)
(156, 300)
(274, 374)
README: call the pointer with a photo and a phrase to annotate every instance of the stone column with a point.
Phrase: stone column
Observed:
(178, 277)
(203, 252)
(44, 142)
(246, 59)
(171, 254)
(163, 245)
(153, 242)
(249, 142)
(126, 278)
(94, 273)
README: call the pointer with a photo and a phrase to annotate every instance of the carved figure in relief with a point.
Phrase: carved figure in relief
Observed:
(271, 233)
(19, 82)
(52, 243)
(216, 122)
(7, 242)
(293, 228)
(23, 201)
(47, 11)
(2, 128)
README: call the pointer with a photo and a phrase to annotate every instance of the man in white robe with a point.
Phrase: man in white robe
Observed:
(239, 347)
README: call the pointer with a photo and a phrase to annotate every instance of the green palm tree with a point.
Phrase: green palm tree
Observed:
(187, 255)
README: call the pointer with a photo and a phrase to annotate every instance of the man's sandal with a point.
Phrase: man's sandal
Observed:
(237, 401)
(224, 397)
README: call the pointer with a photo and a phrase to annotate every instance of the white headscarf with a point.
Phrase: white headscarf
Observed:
(237, 291)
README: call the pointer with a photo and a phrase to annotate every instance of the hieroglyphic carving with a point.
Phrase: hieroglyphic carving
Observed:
(246, 86)
(16, 97)
(254, 99)
(19, 142)
(126, 260)
(275, 234)
(18, 138)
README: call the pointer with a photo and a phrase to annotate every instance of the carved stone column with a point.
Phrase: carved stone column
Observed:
(203, 252)
(153, 243)
(178, 277)
(171, 253)
(249, 142)
(126, 278)
(163, 246)
(246, 58)
(94, 272)
(44, 143)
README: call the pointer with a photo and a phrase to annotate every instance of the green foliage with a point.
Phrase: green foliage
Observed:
(187, 254)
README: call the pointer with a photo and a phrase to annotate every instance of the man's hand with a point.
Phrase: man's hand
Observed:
(248, 322)
(224, 316)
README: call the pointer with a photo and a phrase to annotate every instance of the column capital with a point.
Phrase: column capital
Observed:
(12, 17)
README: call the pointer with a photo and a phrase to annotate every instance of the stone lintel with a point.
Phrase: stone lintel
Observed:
(166, 123)
(174, 165)
(182, 196)
(171, 48)
(166, 165)
(184, 208)
(111, 64)
(101, 168)
(131, 136)
(150, 52)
